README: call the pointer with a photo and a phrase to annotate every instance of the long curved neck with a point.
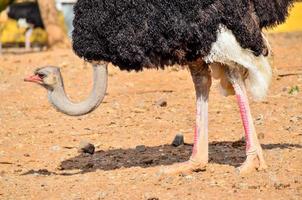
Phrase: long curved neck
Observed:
(62, 103)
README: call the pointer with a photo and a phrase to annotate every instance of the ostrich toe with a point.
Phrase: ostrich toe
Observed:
(187, 167)
(252, 162)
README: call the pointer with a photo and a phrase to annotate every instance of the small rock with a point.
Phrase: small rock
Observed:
(284, 89)
(89, 165)
(189, 177)
(259, 120)
(86, 147)
(55, 148)
(288, 128)
(140, 148)
(254, 187)
(153, 198)
(161, 103)
(138, 110)
(295, 119)
(178, 140)
(147, 161)
(279, 186)
(148, 196)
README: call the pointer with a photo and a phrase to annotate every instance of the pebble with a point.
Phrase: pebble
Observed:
(178, 140)
(161, 103)
(189, 177)
(140, 148)
(295, 119)
(259, 120)
(253, 187)
(280, 186)
(153, 198)
(55, 148)
(89, 165)
(148, 196)
(138, 110)
(148, 161)
(86, 147)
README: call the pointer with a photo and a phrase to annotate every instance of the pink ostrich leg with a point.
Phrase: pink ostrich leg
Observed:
(200, 147)
(202, 82)
(27, 38)
(254, 154)
(199, 158)
(246, 117)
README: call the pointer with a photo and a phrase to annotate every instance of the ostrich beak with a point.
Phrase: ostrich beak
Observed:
(33, 78)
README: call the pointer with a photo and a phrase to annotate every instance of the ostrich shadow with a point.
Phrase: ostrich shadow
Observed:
(225, 152)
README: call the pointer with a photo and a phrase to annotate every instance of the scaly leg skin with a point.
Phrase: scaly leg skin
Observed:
(255, 159)
(199, 158)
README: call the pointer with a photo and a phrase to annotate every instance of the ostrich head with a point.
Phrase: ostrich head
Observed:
(50, 78)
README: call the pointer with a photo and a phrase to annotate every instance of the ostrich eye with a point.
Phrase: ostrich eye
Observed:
(41, 75)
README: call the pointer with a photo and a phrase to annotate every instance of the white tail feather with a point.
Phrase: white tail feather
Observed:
(228, 51)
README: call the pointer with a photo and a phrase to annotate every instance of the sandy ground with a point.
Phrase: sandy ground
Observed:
(39, 156)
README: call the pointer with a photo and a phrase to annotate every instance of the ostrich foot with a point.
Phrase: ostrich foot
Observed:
(183, 168)
(254, 161)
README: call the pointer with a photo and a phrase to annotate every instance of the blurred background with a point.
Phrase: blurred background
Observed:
(30, 25)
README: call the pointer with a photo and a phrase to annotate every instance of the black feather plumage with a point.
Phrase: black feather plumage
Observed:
(26, 10)
(134, 34)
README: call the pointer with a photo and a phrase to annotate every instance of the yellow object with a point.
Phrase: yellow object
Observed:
(293, 22)
(39, 35)
(11, 33)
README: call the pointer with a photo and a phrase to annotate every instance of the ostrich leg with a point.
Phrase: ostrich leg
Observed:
(254, 154)
(202, 81)
(27, 38)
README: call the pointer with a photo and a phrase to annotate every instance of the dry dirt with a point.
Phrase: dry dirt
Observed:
(39, 156)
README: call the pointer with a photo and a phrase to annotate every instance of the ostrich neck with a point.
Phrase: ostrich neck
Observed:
(62, 103)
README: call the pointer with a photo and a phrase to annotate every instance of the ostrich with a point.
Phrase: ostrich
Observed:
(213, 38)
(28, 16)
